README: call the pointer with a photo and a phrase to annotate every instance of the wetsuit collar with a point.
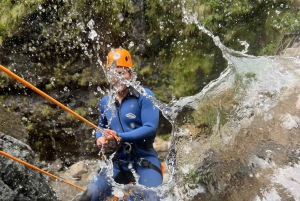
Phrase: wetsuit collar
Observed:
(133, 92)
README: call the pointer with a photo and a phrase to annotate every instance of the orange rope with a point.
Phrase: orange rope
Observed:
(40, 170)
(53, 100)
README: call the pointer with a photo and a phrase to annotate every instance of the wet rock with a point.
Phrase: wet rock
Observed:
(56, 166)
(162, 148)
(18, 182)
(251, 147)
(292, 52)
(78, 169)
(8, 124)
(6, 192)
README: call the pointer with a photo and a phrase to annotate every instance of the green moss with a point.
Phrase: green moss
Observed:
(185, 68)
(11, 14)
(80, 111)
(30, 127)
(93, 102)
(250, 75)
(164, 137)
(212, 111)
(38, 144)
(2, 29)
(48, 87)
(46, 111)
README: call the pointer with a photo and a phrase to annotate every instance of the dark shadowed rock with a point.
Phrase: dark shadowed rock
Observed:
(18, 182)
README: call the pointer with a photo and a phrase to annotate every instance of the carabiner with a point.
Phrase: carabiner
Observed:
(127, 148)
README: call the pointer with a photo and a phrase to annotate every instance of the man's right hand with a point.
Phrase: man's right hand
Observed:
(108, 145)
(101, 141)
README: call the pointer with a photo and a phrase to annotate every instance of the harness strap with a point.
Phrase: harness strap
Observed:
(144, 145)
(145, 163)
(140, 161)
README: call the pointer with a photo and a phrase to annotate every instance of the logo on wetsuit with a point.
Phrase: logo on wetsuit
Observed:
(130, 116)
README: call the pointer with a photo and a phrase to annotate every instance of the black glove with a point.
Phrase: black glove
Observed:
(110, 147)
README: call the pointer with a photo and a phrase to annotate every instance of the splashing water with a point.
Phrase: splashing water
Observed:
(244, 140)
(259, 84)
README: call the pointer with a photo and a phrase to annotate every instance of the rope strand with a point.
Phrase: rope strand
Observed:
(40, 170)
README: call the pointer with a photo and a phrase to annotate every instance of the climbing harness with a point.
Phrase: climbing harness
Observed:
(147, 164)
(131, 154)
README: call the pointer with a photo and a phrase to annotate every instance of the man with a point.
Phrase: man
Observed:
(131, 117)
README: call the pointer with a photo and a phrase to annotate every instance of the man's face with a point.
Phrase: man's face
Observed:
(117, 75)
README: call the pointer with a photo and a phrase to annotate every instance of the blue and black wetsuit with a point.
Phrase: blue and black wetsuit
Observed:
(135, 120)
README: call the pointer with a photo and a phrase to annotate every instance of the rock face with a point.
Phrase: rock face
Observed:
(244, 143)
(18, 182)
(10, 123)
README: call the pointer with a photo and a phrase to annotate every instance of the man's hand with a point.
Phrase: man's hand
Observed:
(107, 142)
(111, 132)
(104, 139)
(101, 141)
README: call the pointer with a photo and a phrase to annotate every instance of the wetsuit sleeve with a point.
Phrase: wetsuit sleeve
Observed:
(102, 118)
(149, 117)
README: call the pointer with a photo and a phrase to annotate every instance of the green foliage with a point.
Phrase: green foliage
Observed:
(213, 111)
(48, 87)
(164, 137)
(2, 30)
(287, 22)
(38, 144)
(260, 23)
(233, 21)
(80, 111)
(12, 12)
(185, 69)
(179, 50)
(47, 112)
(93, 103)
(31, 127)
(146, 71)
(268, 49)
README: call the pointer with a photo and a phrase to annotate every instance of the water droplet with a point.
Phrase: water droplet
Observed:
(131, 44)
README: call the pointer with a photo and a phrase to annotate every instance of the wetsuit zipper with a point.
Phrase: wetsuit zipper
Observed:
(119, 107)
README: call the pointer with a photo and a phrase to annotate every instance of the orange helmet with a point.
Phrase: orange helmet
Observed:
(121, 56)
